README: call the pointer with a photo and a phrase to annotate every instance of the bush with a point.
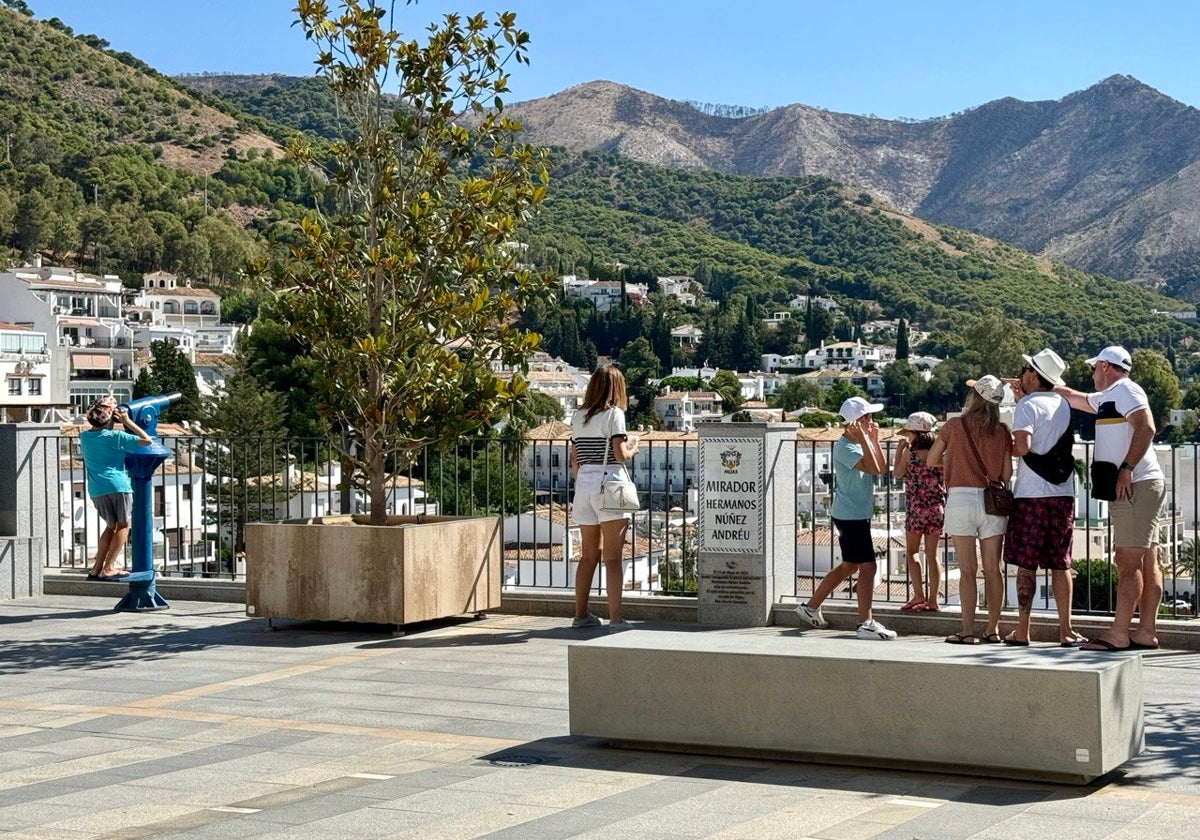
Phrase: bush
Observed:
(1095, 586)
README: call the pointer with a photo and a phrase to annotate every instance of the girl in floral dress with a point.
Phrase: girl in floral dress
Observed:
(924, 507)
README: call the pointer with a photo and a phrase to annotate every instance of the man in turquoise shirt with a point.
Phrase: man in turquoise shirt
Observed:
(104, 449)
(857, 457)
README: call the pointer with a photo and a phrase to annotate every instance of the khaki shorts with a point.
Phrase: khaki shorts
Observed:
(1135, 521)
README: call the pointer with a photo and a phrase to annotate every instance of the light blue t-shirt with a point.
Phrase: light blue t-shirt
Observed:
(852, 488)
(104, 459)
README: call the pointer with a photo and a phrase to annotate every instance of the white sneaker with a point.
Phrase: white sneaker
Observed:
(619, 625)
(588, 620)
(874, 630)
(811, 616)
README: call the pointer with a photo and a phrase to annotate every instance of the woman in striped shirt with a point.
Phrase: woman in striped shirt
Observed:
(600, 445)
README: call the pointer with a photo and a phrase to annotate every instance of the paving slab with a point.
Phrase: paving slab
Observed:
(198, 723)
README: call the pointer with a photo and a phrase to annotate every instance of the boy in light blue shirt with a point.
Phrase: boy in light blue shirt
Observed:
(857, 457)
(104, 449)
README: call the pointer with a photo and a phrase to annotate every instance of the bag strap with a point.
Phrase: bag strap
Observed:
(978, 459)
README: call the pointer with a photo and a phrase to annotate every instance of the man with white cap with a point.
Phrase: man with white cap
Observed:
(856, 457)
(1124, 433)
(1041, 528)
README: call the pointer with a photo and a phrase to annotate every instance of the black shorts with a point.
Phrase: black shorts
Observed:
(854, 538)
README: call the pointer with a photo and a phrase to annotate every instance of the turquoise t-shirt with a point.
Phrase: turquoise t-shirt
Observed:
(852, 488)
(104, 459)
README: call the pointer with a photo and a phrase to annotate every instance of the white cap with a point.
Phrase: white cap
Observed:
(856, 407)
(1114, 355)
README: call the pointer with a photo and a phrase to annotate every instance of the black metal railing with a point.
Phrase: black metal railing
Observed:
(212, 485)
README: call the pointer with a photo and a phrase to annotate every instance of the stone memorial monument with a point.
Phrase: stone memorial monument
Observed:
(746, 528)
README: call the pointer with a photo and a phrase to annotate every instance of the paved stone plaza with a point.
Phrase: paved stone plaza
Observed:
(198, 723)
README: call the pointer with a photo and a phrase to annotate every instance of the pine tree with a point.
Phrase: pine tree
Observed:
(902, 340)
(170, 371)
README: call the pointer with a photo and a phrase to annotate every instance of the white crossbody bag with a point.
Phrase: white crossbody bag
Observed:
(617, 492)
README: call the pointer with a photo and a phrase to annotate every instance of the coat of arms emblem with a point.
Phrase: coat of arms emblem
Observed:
(731, 458)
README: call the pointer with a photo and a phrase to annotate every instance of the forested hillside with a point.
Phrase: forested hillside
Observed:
(114, 168)
(774, 237)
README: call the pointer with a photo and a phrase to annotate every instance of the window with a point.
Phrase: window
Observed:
(554, 460)
(190, 307)
(160, 502)
(35, 387)
(186, 492)
(14, 387)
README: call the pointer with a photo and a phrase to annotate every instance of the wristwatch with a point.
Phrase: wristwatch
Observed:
(1125, 465)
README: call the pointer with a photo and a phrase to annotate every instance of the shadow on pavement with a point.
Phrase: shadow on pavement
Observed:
(594, 754)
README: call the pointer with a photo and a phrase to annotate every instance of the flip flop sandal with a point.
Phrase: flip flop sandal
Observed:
(1011, 642)
(1103, 646)
(962, 639)
(914, 605)
(1139, 646)
(992, 639)
(928, 607)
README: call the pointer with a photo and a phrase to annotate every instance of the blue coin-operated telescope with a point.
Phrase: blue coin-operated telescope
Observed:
(142, 465)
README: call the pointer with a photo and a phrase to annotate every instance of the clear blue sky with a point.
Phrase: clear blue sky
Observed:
(893, 58)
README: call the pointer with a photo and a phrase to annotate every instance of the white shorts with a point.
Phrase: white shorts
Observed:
(965, 516)
(585, 509)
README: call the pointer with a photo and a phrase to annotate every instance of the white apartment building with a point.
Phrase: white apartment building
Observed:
(603, 294)
(83, 321)
(219, 339)
(843, 355)
(682, 410)
(179, 305)
(32, 384)
(179, 337)
(771, 362)
(179, 535)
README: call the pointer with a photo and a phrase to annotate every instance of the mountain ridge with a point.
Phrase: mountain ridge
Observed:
(1029, 173)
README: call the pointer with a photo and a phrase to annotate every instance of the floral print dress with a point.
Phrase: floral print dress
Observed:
(924, 497)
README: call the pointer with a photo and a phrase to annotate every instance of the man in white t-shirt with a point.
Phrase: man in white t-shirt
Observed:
(1124, 433)
(1042, 526)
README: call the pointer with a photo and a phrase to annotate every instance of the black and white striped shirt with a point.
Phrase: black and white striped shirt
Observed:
(592, 437)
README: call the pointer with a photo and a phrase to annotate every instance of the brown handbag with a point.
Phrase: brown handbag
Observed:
(997, 498)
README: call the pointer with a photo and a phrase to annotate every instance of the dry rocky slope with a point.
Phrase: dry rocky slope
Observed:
(1103, 179)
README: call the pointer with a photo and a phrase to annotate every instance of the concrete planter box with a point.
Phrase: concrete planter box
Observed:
(416, 568)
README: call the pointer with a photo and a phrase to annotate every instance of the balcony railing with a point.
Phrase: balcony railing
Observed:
(213, 485)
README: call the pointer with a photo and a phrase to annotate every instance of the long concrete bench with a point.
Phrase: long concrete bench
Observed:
(1043, 713)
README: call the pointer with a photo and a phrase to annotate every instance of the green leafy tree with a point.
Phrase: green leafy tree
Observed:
(276, 358)
(797, 393)
(1153, 372)
(401, 290)
(996, 344)
(903, 384)
(640, 367)
(841, 391)
(243, 451)
(476, 482)
(680, 383)
(170, 371)
(534, 408)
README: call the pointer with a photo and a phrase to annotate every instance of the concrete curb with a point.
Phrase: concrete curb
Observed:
(1174, 634)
